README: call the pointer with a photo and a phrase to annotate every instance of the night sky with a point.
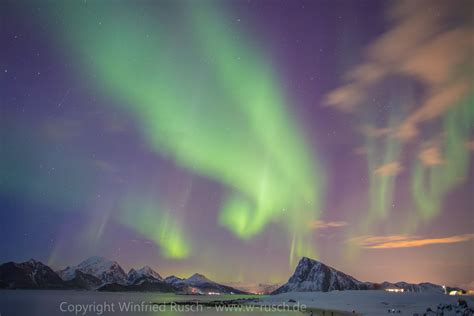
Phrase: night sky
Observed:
(231, 138)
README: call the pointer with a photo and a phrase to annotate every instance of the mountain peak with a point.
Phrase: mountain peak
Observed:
(197, 277)
(312, 275)
(144, 273)
(306, 260)
(30, 274)
(102, 268)
(146, 270)
(173, 279)
(198, 283)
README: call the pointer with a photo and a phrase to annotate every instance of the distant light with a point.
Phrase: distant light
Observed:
(395, 290)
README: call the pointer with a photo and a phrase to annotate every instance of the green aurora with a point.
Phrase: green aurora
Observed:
(430, 184)
(206, 97)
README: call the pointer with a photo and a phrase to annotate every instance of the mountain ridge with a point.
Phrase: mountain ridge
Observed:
(314, 276)
(200, 284)
(143, 274)
(101, 274)
(106, 270)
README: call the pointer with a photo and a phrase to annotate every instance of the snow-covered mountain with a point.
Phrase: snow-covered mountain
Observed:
(314, 276)
(197, 279)
(100, 274)
(105, 270)
(30, 274)
(144, 274)
(172, 279)
(198, 283)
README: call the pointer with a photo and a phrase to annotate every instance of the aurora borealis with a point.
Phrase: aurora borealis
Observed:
(232, 138)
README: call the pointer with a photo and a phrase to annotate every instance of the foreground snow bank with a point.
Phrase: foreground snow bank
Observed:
(369, 302)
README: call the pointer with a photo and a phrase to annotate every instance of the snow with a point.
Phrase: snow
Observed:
(144, 273)
(314, 276)
(106, 270)
(311, 275)
(149, 272)
(370, 302)
(173, 279)
(197, 279)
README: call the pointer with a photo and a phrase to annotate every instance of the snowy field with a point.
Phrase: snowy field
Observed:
(89, 303)
(39, 303)
(370, 302)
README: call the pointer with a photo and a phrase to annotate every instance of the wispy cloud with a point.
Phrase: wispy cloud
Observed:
(389, 169)
(470, 145)
(431, 157)
(422, 44)
(375, 132)
(319, 224)
(405, 241)
(360, 151)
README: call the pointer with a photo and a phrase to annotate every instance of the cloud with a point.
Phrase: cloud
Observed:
(406, 241)
(360, 151)
(346, 98)
(436, 104)
(320, 224)
(375, 132)
(389, 169)
(470, 145)
(431, 157)
(429, 40)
